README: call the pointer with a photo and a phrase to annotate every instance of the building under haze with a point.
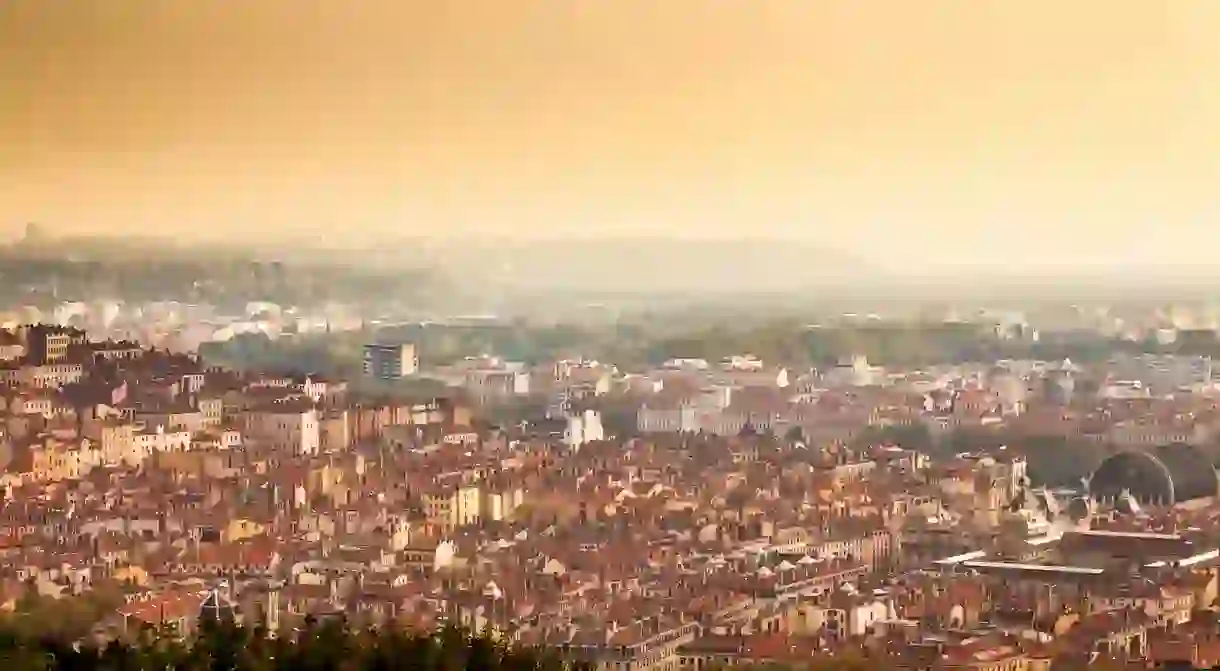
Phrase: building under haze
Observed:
(390, 362)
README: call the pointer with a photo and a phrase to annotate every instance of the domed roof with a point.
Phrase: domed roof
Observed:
(1171, 473)
(217, 607)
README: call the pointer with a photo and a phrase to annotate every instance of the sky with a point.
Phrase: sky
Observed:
(1022, 133)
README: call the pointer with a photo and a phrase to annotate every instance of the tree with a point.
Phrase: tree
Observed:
(329, 645)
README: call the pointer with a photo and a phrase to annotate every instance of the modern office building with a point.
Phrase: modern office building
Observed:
(390, 362)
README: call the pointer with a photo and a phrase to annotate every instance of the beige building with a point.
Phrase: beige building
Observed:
(115, 439)
(212, 409)
(292, 427)
(336, 432)
(49, 376)
(499, 505)
(454, 507)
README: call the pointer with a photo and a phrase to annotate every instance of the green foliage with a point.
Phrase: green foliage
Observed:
(1060, 462)
(326, 647)
(912, 437)
(68, 618)
(1053, 461)
(304, 354)
(642, 342)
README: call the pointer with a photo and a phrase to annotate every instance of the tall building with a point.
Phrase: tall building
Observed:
(584, 428)
(47, 344)
(390, 362)
(560, 404)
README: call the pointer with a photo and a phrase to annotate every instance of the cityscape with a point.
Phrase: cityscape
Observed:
(696, 511)
(642, 335)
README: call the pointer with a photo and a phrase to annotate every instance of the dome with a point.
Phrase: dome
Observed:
(1170, 474)
(217, 607)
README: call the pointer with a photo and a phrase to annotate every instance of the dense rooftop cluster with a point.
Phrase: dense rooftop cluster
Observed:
(749, 515)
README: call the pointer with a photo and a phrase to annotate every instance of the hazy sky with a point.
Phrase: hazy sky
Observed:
(1019, 131)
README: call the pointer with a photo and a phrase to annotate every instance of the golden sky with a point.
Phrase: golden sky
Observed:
(931, 130)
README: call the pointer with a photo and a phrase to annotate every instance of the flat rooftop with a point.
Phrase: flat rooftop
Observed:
(1033, 568)
(1128, 534)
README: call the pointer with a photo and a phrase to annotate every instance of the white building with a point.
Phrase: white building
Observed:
(390, 362)
(667, 417)
(853, 372)
(583, 428)
(488, 386)
(49, 376)
(155, 439)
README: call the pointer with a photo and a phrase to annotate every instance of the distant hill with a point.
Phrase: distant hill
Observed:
(647, 265)
(617, 265)
(48, 270)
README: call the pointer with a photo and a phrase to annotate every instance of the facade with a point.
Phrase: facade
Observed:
(1164, 373)
(491, 386)
(390, 362)
(287, 427)
(452, 508)
(46, 344)
(116, 440)
(156, 439)
(48, 376)
(584, 428)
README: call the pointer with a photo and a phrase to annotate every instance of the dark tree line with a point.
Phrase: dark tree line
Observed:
(329, 646)
(634, 345)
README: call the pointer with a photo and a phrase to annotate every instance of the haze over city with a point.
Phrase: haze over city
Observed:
(913, 135)
(609, 335)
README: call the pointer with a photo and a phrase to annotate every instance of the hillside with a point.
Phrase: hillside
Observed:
(652, 265)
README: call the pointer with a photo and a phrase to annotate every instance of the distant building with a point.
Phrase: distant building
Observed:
(1164, 374)
(584, 428)
(390, 362)
(287, 427)
(46, 344)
